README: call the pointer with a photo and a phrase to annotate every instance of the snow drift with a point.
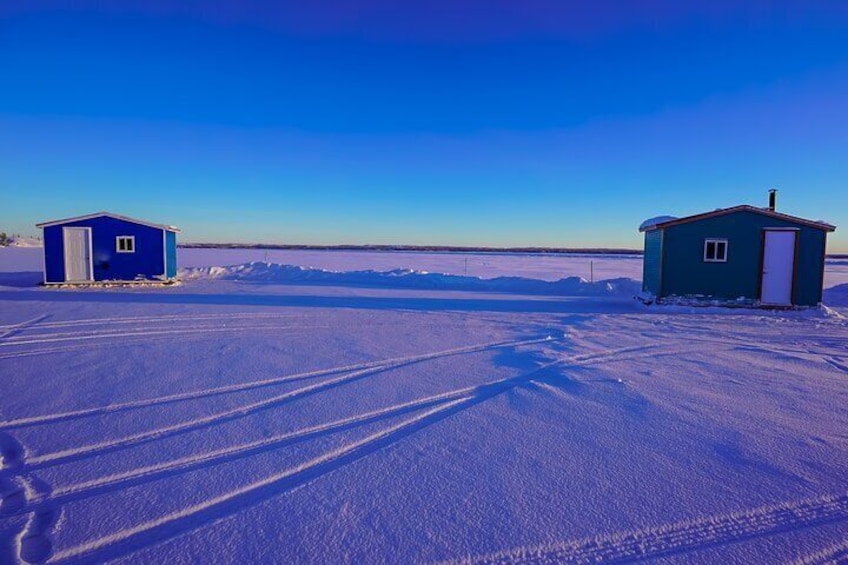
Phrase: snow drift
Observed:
(264, 272)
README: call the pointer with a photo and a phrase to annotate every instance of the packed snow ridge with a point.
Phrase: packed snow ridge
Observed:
(260, 271)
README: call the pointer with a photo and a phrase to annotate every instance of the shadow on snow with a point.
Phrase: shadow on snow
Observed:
(553, 305)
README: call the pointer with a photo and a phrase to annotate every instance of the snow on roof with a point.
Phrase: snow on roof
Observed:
(651, 222)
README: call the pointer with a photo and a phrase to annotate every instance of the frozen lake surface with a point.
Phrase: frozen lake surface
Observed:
(263, 413)
(548, 267)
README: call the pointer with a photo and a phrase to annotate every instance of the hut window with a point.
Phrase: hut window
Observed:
(125, 243)
(715, 250)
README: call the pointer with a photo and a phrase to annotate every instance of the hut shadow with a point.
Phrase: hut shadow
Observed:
(836, 295)
(23, 279)
(476, 303)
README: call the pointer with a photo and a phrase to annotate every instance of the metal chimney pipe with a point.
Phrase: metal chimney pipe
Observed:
(772, 199)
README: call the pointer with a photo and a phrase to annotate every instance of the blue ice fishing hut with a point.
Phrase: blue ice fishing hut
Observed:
(105, 247)
(744, 254)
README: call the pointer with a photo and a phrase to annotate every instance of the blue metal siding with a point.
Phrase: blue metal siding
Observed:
(147, 262)
(652, 262)
(685, 273)
(54, 255)
(171, 247)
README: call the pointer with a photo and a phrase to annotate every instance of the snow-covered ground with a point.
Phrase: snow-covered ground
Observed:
(25, 242)
(263, 413)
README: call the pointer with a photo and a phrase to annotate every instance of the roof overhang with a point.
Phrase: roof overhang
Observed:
(824, 226)
(109, 215)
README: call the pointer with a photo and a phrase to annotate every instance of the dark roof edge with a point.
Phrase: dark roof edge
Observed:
(743, 208)
(110, 215)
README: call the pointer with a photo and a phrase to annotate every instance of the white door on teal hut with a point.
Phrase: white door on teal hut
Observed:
(778, 267)
(77, 254)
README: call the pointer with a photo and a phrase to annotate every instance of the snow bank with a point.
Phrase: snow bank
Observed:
(260, 271)
(24, 242)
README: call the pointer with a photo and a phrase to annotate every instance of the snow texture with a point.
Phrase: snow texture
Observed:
(378, 407)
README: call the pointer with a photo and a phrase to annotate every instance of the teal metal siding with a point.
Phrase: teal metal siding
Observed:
(171, 254)
(684, 272)
(809, 278)
(652, 263)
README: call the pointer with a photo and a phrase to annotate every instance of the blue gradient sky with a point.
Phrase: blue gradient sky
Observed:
(551, 123)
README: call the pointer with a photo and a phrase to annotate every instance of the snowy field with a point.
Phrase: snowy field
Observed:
(363, 411)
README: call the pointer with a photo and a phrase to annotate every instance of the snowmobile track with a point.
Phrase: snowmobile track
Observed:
(373, 365)
(682, 537)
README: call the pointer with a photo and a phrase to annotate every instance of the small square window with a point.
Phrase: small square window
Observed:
(715, 250)
(125, 243)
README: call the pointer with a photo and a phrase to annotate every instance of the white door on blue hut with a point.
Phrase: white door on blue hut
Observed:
(77, 254)
(778, 267)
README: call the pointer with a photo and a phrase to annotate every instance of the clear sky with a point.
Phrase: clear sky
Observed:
(485, 122)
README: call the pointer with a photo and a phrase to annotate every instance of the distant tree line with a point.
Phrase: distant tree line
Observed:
(430, 248)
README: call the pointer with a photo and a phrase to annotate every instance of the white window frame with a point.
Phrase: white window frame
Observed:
(716, 241)
(128, 238)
